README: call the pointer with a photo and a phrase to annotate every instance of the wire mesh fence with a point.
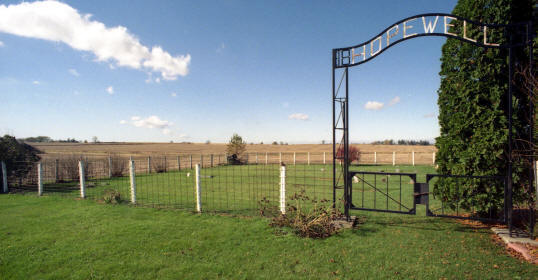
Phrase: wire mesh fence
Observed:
(171, 181)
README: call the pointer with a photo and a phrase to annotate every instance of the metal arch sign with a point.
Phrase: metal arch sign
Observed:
(432, 24)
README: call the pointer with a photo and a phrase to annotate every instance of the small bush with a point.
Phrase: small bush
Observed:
(159, 164)
(118, 166)
(317, 221)
(354, 154)
(112, 197)
(70, 168)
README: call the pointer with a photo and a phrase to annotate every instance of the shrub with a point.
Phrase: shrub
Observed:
(70, 169)
(158, 164)
(317, 221)
(354, 154)
(118, 166)
(236, 146)
(112, 197)
(18, 157)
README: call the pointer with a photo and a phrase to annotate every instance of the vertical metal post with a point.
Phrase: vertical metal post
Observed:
(347, 184)
(509, 179)
(110, 167)
(178, 163)
(201, 160)
(165, 163)
(211, 160)
(256, 157)
(334, 127)
(4, 177)
(39, 179)
(132, 177)
(280, 157)
(149, 164)
(198, 190)
(532, 177)
(82, 179)
(191, 161)
(56, 171)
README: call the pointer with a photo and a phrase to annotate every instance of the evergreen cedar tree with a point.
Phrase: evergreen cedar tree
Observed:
(18, 157)
(236, 146)
(472, 101)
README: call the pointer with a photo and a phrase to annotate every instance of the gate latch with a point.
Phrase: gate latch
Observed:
(422, 191)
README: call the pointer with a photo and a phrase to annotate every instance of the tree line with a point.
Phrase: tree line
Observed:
(402, 142)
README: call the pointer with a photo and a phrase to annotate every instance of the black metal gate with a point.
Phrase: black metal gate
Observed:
(518, 35)
(401, 193)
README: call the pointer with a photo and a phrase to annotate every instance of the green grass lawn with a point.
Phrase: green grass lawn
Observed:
(53, 237)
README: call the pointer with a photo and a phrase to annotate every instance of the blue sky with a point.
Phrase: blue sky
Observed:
(202, 70)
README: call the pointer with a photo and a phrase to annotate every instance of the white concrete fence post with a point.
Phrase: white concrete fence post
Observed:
(375, 157)
(132, 177)
(413, 157)
(82, 179)
(324, 159)
(39, 179)
(280, 157)
(256, 157)
(109, 167)
(293, 158)
(4, 177)
(283, 189)
(393, 158)
(308, 158)
(266, 158)
(198, 189)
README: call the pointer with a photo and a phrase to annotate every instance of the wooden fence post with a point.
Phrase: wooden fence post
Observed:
(198, 189)
(132, 177)
(39, 179)
(211, 160)
(283, 189)
(4, 177)
(393, 158)
(82, 179)
(178, 163)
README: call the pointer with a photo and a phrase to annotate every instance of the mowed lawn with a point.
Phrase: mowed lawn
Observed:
(53, 237)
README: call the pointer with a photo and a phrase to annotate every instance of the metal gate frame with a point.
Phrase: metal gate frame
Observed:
(344, 58)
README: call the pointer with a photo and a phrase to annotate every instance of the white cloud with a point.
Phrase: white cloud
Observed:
(430, 115)
(298, 116)
(373, 105)
(110, 90)
(74, 72)
(173, 94)
(150, 122)
(1, 44)
(36, 82)
(394, 101)
(59, 22)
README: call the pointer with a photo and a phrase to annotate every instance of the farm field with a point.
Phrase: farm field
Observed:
(53, 237)
(213, 148)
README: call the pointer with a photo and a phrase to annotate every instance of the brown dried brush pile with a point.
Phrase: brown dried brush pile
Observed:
(305, 216)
